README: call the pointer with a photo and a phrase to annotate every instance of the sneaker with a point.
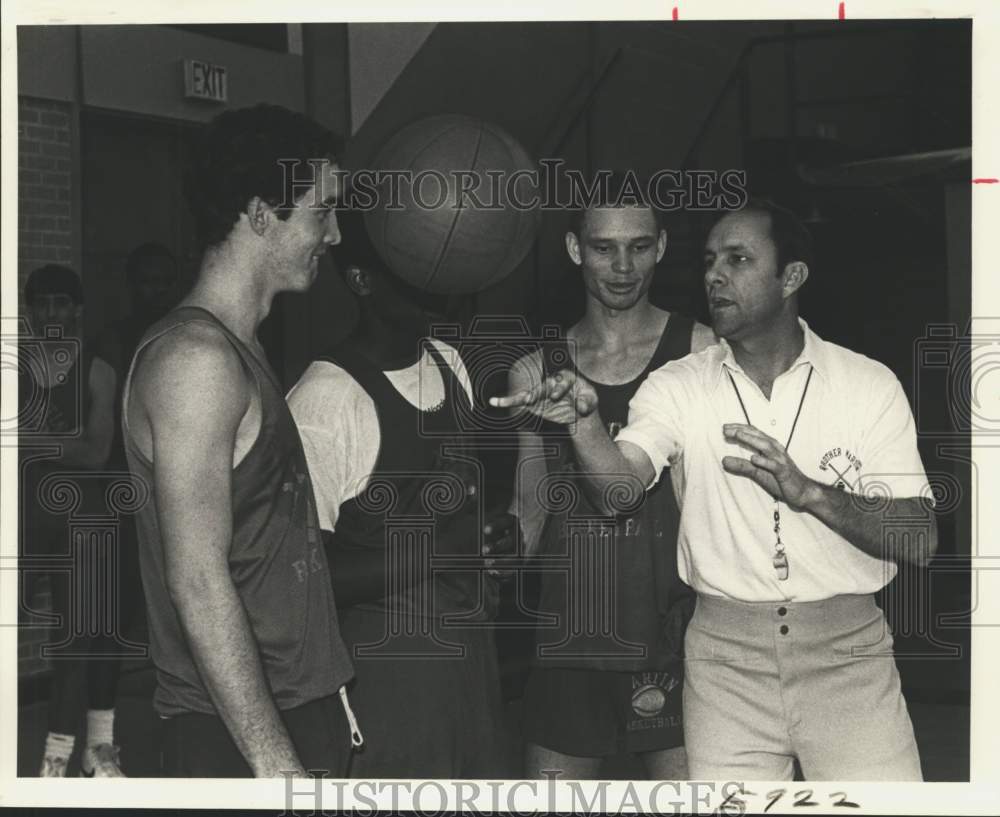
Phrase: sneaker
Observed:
(53, 766)
(100, 761)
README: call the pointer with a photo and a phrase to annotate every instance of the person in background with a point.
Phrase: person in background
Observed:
(66, 423)
(151, 283)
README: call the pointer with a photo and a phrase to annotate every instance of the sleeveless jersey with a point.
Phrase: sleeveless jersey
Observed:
(619, 604)
(276, 559)
(421, 500)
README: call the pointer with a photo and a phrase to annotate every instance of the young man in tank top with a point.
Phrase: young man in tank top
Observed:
(595, 697)
(398, 489)
(242, 619)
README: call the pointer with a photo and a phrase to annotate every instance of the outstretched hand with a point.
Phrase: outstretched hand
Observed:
(769, 466)
(560, 398)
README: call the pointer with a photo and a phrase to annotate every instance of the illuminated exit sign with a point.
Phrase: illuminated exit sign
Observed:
(203, 80)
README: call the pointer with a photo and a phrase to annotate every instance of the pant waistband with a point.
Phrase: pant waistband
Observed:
(843, 609)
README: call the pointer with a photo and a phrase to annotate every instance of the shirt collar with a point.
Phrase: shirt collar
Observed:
(813, 352)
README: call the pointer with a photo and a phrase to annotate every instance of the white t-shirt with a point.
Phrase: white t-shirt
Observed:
(855, 430)
(339, 427)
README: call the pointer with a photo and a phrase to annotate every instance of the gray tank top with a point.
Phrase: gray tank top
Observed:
(276, 561)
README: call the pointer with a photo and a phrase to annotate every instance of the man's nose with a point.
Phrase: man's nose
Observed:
(622, 261)
(332, 235)
(713, 273)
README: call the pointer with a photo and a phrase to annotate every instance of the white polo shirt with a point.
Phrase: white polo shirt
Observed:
(855, 431)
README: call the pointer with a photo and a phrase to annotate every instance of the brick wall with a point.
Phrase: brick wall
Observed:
(45, 192)
(45, 234)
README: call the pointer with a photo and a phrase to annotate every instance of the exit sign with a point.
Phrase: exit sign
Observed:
(203, 80)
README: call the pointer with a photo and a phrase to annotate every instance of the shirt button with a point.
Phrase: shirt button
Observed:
(774, 422)
(782, 611)
(784, 629)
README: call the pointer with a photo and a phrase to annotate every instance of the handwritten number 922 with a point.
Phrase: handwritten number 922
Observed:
(735, 805)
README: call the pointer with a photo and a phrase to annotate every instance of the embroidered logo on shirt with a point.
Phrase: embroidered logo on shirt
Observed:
(843, 467)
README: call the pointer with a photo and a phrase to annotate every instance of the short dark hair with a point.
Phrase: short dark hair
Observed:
(143, 253)
(791, 238)
(237, 159)
(623, 188)
(53, 279)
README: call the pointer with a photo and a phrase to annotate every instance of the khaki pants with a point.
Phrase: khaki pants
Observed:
(766, 683)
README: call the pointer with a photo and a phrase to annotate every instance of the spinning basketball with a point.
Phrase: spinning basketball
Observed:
(467, 194)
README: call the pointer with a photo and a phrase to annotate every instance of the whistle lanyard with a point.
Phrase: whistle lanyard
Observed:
(780, 558)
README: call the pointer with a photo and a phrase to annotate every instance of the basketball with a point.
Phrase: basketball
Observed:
(463, 213)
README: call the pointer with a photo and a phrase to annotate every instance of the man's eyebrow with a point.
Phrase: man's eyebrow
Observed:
(737, 247)
(632, 240)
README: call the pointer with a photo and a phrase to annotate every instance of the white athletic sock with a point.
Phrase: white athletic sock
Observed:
(57, 745)
(100, 726)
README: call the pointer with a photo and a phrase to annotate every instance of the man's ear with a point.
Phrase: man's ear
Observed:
(795, 274)
(359, 280)
(259, 213)
(573, 248)
(661, 245)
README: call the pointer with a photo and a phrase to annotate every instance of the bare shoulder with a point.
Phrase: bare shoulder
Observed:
(702, 337)
(194, 366)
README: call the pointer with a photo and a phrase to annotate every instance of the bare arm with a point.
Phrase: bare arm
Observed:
(531, 470)
(531, 465)
(193, 392)
(770, 467)
(615, 475)
(92, 448)
(865, 528)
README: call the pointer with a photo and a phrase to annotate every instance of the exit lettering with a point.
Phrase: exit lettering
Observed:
(203, 80)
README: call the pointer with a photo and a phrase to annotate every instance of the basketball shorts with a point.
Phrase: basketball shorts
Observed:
(435, 713)
(199, 745)
(597, 713)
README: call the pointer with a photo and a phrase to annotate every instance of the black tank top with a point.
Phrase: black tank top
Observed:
(619, 603)
(276, 561)
(422, 499)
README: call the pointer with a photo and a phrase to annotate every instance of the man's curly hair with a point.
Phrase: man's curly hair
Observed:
(238, 158)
